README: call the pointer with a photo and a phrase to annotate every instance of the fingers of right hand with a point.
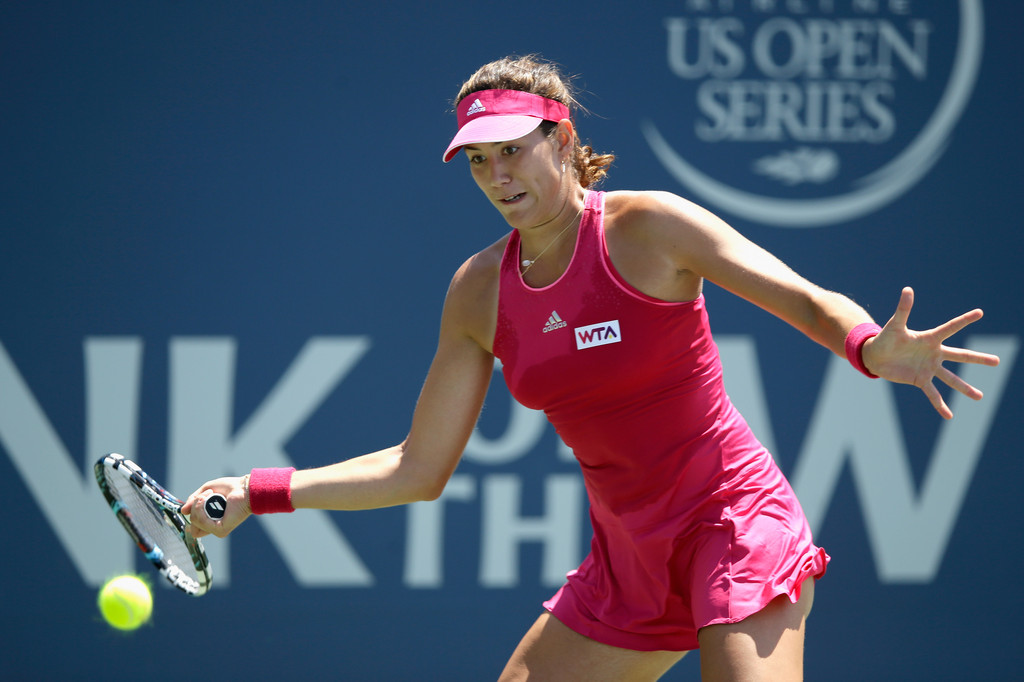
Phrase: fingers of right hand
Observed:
(198, 517)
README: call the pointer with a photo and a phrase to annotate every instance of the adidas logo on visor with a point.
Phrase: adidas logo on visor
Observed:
(475, 108)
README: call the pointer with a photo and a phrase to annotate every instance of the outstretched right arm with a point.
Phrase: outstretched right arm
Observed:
(419, 467)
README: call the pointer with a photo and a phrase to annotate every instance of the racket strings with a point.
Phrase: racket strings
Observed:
(159, 537)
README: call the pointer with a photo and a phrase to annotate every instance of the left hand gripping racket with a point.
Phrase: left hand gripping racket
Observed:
(153, 519)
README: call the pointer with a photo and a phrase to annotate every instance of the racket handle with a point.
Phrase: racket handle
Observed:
(215, 506)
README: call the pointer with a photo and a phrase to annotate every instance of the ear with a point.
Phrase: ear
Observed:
(565, 136)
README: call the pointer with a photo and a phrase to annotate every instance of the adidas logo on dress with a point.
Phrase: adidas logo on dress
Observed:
(554, 322)
(475, 108)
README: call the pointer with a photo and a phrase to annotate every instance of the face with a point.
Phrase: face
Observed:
(522, 178)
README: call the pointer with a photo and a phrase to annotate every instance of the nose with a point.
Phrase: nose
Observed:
(498, 173)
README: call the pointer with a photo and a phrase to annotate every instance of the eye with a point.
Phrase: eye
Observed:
(509, 150)
(476, 159)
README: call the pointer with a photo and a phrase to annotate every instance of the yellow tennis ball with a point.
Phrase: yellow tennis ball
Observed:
(126, 602)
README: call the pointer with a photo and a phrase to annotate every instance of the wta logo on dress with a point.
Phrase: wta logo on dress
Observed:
(824, 110)
(599, 334)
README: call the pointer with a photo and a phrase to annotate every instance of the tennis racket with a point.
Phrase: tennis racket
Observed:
(153, 519)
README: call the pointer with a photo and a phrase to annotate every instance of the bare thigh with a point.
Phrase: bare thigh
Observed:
(551, 651)
(768, 645)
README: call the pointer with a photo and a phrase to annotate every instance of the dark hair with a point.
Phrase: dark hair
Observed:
(534, 74)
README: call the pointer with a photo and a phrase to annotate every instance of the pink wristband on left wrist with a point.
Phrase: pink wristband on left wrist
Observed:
(855, 341)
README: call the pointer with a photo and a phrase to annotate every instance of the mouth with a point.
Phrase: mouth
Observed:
(512, 199)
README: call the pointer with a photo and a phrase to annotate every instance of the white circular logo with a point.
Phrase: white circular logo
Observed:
(798, 112)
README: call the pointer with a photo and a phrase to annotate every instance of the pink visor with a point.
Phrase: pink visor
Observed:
(499, 115)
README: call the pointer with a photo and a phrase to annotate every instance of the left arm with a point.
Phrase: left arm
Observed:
(705, 245)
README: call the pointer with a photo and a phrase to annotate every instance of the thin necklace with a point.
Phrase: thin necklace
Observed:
(527, 263)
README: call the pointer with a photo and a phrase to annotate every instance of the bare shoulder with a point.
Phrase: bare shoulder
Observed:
(662, 224)
(471, 306)
(479, 274)
(652, 209)
(651, 238)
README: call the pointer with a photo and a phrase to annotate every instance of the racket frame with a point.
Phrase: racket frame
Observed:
(169, 506)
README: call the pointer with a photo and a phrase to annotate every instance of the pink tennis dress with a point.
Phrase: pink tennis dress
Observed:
(693, 522)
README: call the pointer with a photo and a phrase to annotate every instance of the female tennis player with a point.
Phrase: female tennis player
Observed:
(593, 303)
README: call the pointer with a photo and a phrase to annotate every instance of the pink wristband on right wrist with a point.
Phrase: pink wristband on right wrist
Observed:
(855, 341)
(270, 491)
